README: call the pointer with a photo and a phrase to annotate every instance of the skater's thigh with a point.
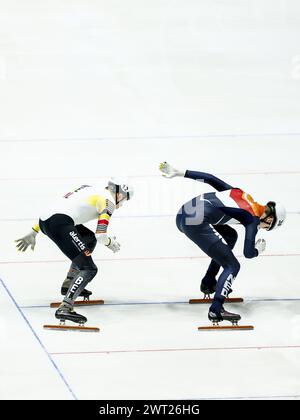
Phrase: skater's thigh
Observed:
(66, 237)
(88, 236)
(71, 243)
(228, 233)
(203, 235)
(222, 254)
(213, 244)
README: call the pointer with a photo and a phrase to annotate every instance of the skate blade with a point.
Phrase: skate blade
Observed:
(228, 300)
(227, 328)
(71, 328)
(80, 303)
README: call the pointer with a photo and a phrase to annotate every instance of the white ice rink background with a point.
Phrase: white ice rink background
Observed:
(90, 89)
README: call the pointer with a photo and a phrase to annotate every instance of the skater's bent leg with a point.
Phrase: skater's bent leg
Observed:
(87, 270)
(204, 236)
(89, 238)
(223, 255)
(73, 271)
(208, 239)
(69, 238)
(209, 280)
(230, 235)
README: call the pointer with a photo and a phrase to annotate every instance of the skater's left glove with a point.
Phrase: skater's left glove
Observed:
(26, 241)
(260, 245)
(168, 171)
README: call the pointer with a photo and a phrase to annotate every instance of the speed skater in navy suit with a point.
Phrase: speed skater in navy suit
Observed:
(207, 221)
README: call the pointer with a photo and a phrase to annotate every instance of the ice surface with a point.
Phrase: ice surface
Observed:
(95, 89)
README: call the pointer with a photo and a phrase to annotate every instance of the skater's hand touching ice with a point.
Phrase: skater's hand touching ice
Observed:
(26, 241)
(168, 171)
(260, 245)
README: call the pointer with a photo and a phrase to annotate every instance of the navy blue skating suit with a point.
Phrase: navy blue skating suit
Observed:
(206, 220)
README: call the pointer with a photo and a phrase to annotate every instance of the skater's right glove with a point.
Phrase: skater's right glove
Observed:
(114, 245)
(110, 242)
(26, 241)
(168, 171)
(260, 245)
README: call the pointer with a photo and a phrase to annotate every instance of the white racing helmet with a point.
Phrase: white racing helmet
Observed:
(278, 211)
(120, 185)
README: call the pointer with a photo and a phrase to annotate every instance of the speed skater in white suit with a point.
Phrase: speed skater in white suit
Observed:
(205, 220)
(64, 223)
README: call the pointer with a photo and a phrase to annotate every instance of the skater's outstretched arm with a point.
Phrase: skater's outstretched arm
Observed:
(28, 240)
(210, 179)
(169, 172)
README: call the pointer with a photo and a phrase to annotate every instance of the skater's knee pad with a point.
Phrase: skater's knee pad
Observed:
(222, 254)
(88, 274)
(85, 263)
(92, 269)
(234, 267)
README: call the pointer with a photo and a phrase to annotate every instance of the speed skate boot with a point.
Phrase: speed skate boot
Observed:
(223, 315)
(66, 313)
(208, 287)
